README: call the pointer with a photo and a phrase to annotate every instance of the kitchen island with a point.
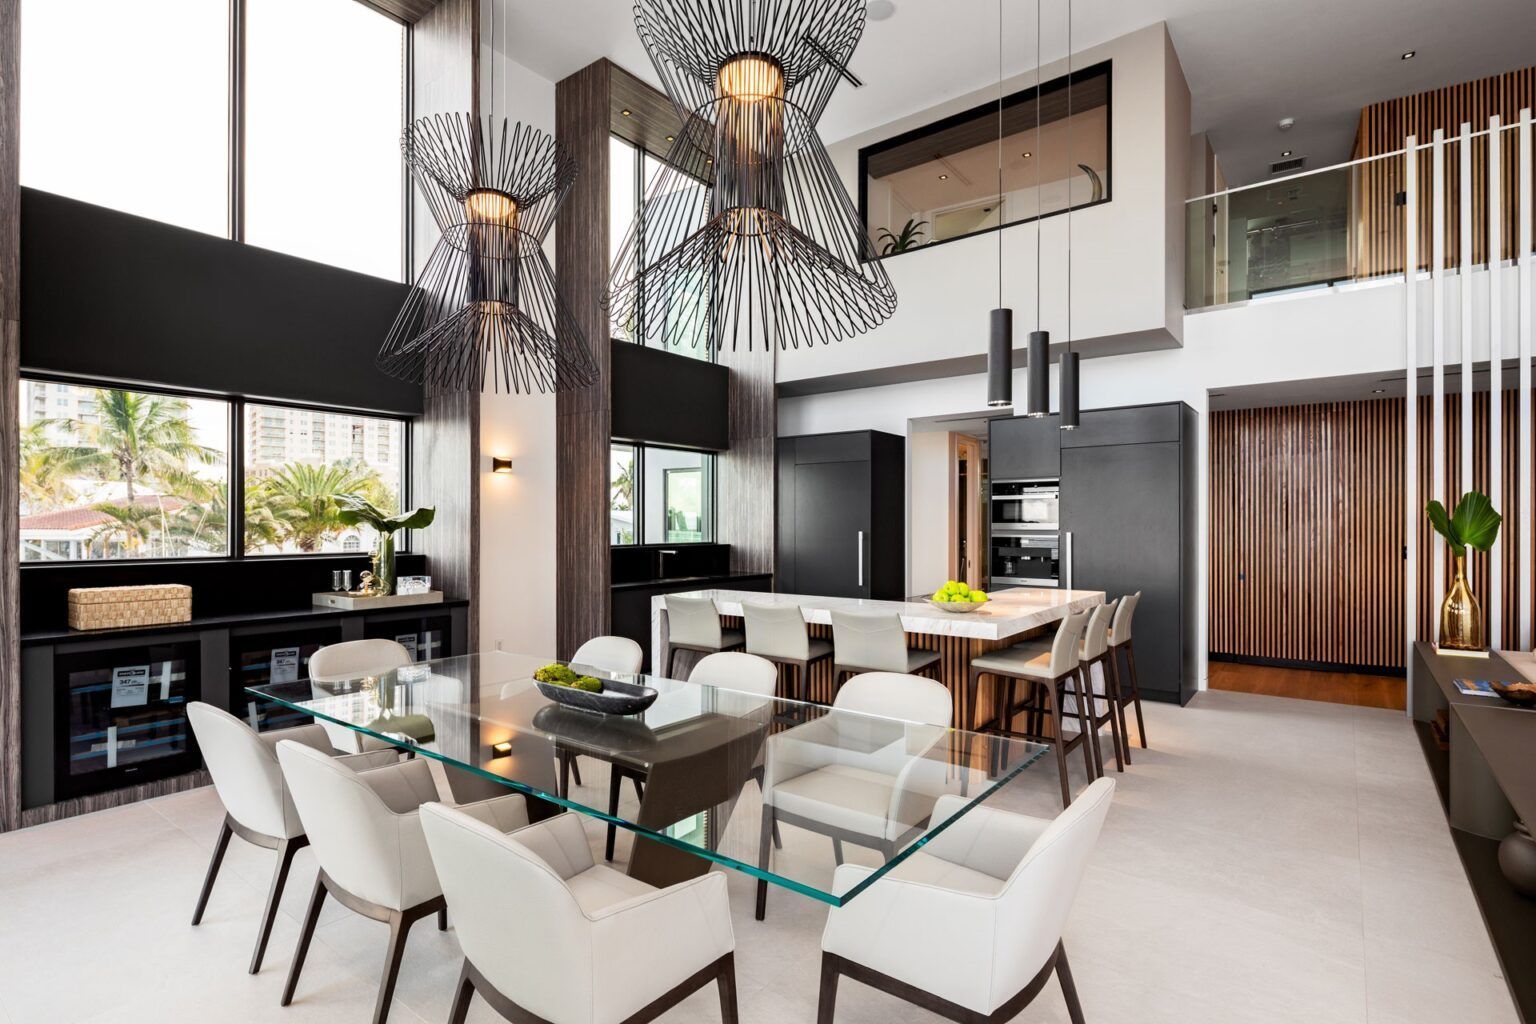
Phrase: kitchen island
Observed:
(1010, 616)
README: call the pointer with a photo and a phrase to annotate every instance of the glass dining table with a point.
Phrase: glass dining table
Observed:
(773, 788)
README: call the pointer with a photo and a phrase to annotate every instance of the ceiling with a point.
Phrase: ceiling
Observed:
(1249, 62)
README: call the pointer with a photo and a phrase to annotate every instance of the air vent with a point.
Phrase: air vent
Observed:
(1286, 166)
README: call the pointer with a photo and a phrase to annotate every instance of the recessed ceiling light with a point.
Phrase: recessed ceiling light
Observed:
(624, 112)
(879, 10)
(1028, 155)
(1285, 152)
(671, 138)
(943, 177)
(1409, 55)
(1378, 391)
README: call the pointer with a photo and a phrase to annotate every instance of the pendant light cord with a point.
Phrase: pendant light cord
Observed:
(1039, 158)
(1070, 175)
(999, 154)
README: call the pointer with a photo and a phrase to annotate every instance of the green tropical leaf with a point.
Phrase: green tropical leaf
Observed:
(416, 519)
(1442, 525)
(1475, 523)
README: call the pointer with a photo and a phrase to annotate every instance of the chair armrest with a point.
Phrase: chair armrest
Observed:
(503, 813)
(368, 760)
(403, 786)
(798, 750)
(984, 838)
(695, 917)
(307, 735)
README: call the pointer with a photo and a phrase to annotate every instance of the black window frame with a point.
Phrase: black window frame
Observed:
(711, 493)
(1104, 68)
(235, 405)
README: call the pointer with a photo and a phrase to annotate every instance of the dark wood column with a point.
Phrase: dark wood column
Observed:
(446, 439)
(582, 570)
(747, 492)
(10, 368)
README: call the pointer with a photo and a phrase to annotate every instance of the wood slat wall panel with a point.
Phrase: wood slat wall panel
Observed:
(583, 420)
(1378, 243)
(1306, 527)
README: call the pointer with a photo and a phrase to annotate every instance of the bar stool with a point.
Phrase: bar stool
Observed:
(1047, 674)
(777, 632)
(875, 642)
(1094, 653)
(693, 624)
(1120, 639)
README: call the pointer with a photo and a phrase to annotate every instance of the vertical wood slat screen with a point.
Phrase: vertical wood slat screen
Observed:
(1306, 529)
(1377, 244)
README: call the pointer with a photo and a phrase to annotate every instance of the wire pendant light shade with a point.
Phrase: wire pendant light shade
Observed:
(484, 313)
(746, 236)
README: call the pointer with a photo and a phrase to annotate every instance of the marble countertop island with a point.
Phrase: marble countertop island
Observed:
(1008, 614)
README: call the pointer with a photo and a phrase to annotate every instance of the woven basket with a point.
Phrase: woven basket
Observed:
(116, 607)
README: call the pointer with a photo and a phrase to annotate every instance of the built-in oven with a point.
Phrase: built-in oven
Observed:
(1025, 559)
(1026, 505)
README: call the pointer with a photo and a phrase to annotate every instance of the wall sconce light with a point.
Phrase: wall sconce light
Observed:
(501, 465)
(502, 749)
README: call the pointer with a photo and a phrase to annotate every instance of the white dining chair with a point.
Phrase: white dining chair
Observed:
(693, 624)
(970, 926)
(257, 805)
(618, 655)
(365, 828)
(855, 779)
(353, 659)
(550, 936)
(875, 642)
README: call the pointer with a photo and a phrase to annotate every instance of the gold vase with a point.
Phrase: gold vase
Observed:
(1461, 617)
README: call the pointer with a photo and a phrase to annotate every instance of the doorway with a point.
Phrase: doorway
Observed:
(967, 510)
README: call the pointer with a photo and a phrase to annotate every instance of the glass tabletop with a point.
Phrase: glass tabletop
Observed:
(778, 789)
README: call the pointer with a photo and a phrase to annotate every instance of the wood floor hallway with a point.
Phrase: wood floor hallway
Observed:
(1360, 689)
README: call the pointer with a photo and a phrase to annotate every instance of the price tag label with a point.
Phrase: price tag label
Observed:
(285, 665)
(130, 686)
(408, 641)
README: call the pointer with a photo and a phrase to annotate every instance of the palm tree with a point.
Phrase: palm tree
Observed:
(134, 527)
(140, 438)
(299, 500)
(45, 470)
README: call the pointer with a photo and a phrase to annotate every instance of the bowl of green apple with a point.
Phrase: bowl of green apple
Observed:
(564, 685)
(958, 598)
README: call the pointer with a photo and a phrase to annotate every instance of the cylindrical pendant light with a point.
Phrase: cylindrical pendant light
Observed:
(1037, 388)
(1069, 382)
(1000, 360)
(1000, 340)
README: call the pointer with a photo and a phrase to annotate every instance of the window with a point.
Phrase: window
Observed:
(145, 476)
(660, 495)
(297, 460)
(110, 473)
(324, 106)
(940, 182)
(631, 173)
(126, 105)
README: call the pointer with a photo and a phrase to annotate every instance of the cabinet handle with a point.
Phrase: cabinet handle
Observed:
(861, 558)
(1067, 537)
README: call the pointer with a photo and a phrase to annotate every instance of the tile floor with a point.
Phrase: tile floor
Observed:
(1267, 860)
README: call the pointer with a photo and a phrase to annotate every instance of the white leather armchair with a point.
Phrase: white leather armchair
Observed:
(257, 805)
(352, 659)
(366, 831)
(970, 926)
(617, 654)
(550, 935)
(859, 777)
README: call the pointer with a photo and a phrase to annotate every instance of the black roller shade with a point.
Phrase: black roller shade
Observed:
(662, 398)
(109, 295)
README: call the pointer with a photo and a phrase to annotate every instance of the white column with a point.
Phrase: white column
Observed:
(1464, 307)
(1437, 354)
(1411, 407)
(1527, 218)
(1495, 380)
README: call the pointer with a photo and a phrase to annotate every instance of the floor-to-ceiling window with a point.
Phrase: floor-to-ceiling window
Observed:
(142, 107)
(660, 495)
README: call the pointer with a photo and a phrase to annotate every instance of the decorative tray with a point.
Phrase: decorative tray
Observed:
(615, 698)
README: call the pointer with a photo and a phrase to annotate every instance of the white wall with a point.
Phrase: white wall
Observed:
(1128, 258)
(517, 512)
(927, 508)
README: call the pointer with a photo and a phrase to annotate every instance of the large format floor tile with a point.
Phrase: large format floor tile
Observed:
(1267, 860)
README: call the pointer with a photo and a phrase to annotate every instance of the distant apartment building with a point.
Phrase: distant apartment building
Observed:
(277, 435)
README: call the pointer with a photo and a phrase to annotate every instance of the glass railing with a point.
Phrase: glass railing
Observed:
(1344, 223)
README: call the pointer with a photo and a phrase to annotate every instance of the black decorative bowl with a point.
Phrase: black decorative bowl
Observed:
(1524, 697)
(616, 698)
(577, 725)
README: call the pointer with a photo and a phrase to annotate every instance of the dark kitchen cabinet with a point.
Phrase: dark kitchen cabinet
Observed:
(1127, 521)
(842, 515)
(1024, 448)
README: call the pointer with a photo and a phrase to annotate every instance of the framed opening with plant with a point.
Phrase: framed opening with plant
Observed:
(1474, 524)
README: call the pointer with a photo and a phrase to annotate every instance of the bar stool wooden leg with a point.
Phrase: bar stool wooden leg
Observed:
(1141, 726)
(1053, 709)
(1092, 754)
(1112, 690)
(1119, 707)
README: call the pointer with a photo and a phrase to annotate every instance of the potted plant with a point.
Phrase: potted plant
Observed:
(356, 510)
(1474, 524)
(910, 238)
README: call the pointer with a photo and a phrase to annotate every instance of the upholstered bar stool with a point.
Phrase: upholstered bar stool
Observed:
(1048, 677)
(778, 633)
(875, 642)
(693, 624)
(1130, 693)
(1104, 707)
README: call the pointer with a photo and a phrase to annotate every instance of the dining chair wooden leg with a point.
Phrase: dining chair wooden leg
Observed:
(826, 1004)
(837, 851)
(306, 933)
(1058, 741)
(442, 919)
(575, 769)
(671, 661)
(615, 781)
(726, 980)
(1068, 986)
(286, 851)
(565, 775)
(219, 846)
(399, 928)
(763, 841)
(462, 996)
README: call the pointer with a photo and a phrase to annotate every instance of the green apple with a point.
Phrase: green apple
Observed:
(978, 595)
(941, 595)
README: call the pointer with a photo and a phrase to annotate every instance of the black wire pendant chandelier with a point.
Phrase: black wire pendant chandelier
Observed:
(747, 235)
(484, 313)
